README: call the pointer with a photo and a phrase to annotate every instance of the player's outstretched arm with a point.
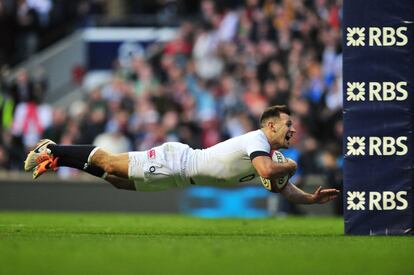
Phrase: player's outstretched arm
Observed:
(296, 195)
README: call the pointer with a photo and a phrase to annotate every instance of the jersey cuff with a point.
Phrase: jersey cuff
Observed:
(258, 154)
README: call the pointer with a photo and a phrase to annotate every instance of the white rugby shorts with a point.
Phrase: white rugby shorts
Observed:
(159, 168)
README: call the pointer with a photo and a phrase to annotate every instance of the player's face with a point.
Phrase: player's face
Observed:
(283, 131)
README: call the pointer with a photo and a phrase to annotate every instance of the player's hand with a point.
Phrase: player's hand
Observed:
(322, 196)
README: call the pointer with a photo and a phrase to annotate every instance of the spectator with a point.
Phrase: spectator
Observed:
(7, 39)
(30, 121)
(253, 98)
(22, 89)
(56, 129)
(7, 103)
(42, 8)
(4, 164)
(39, 85)
(27, 24)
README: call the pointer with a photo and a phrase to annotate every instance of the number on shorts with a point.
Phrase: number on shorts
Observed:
(247, 178)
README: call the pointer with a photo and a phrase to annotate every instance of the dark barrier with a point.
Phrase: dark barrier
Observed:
(378, 68)
(21, 193)
(83, 196)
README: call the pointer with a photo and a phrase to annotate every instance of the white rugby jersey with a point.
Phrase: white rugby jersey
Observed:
(227, 162)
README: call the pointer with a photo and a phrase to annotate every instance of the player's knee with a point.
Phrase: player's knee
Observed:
(110, 168)
(115, 164)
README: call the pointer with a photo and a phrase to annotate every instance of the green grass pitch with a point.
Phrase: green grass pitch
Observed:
(111, 243)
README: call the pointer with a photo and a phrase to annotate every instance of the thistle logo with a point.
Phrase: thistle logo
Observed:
(356, 200)
(355, 36)
(385, 200)
(377, 36)
(355, 146)
(377, 91)
(377, 146)
(360, 91)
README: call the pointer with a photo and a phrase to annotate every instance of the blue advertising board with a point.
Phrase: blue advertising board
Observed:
(378, 117)
(105, 45)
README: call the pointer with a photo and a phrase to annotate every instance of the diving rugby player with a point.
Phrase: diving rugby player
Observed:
(241, 159)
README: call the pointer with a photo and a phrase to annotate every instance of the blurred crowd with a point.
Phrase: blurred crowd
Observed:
(27, 26)
(210, 83)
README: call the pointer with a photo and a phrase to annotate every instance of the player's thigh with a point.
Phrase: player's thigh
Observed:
(150, 174)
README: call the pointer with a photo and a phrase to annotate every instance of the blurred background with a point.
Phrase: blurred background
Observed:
(129, 75)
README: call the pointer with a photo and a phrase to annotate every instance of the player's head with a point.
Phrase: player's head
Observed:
(277, 125)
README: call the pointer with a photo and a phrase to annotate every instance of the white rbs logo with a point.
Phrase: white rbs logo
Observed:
(376, 91)
(386, 200)
(384, 36)
(377, 146)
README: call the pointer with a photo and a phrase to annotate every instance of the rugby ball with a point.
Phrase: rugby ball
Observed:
(275, 185)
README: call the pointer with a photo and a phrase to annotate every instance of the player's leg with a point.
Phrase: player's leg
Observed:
(46, 148)
(116, 164)
(91, 159)
(54, 162)
(113, 164)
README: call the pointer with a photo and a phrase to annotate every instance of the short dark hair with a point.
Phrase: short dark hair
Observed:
(273, 111)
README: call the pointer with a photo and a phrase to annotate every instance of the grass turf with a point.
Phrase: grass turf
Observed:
(90, 243)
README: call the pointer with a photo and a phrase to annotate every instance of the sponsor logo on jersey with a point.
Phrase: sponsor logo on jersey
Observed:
(151, 154)
(382, 201)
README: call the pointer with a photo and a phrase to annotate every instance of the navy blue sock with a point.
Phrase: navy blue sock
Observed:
(73, 163)
(75, 152)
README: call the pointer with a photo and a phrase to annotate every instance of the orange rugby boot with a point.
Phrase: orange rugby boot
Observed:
(38, 155)
(47, 165)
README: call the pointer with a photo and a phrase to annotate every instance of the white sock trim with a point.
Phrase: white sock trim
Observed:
(105, 175)
(92, 153)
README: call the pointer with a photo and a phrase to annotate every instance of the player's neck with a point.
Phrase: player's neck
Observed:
(270, 138)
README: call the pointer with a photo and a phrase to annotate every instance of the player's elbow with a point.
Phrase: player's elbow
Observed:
(271, 173)
(263, 166)
(265, 172)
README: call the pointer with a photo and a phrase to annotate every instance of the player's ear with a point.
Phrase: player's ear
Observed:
(272, 125)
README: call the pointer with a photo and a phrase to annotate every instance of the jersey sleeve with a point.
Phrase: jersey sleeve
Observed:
(256, 145)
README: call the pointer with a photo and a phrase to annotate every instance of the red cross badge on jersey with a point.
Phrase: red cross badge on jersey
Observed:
(151, 154)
